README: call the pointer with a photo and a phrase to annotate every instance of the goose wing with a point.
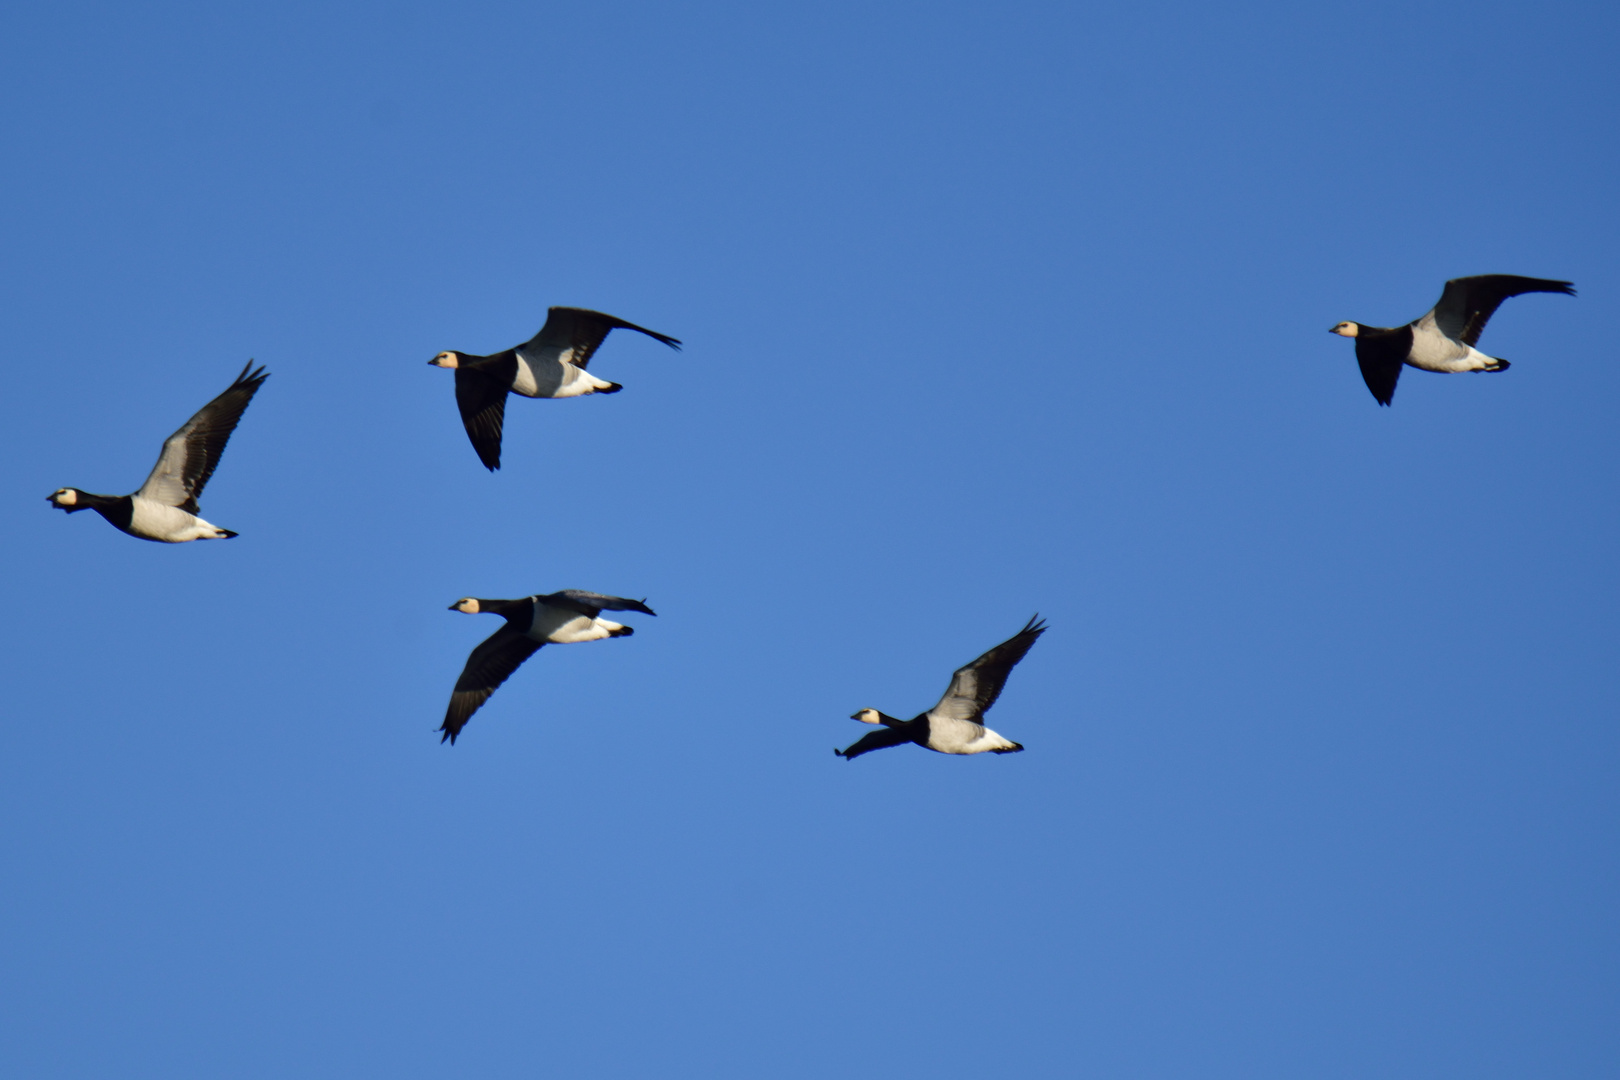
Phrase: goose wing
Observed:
(1469, 302)
(589, 603)
(1380, 359)
(500, 654)
(575, 334)
(881, 739)
(482, 401)
(975, 687)
(190, 455)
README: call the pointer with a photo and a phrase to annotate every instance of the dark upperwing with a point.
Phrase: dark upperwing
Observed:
(500, 654)
(881, 739)
(1467, 303)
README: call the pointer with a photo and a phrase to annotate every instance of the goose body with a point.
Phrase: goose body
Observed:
(560, 618)
(165, 508)
(1442, 340)
(953, 725)
(550, 365)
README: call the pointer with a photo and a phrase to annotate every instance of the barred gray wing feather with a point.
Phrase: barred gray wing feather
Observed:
(1468, 303)
(575, 333)
(589, 603)
(191, 454)
(976, 686)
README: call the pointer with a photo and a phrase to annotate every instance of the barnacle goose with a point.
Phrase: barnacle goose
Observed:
(1444, 339)
(559, 618)
(165, 508)
(953, 726)
(550, 365)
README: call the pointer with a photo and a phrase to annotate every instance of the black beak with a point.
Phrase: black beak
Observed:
(855, 716)
(454, 606)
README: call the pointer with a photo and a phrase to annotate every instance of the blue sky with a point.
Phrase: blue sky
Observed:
(988, 310)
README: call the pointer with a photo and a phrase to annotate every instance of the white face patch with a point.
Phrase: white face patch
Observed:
(467, 606)
(1346, 329)
(444, 360)
(66, 497)
(868, 716)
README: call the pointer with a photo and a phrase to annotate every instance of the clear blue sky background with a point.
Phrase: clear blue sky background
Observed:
(988, 310)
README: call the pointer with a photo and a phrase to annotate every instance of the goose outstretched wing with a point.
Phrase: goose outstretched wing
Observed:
(1469, 302)
(1380, 359)
(191, 454)
(881, 739)
(500, 654)
(482, 401)
(575, 333)
(589, 603)
(975, 687)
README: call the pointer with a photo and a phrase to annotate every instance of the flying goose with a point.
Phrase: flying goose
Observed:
(550, 365)
(1444, 339)
(559, 618)
(165, 508)
(954, 725)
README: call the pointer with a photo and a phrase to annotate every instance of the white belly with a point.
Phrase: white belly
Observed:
(561, 626)
(954, 736)
(1433, 351)
(546, 374)
(153, 520)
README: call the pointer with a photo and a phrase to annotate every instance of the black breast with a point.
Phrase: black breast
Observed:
(502, 367)
(117, 509)
(519, 614)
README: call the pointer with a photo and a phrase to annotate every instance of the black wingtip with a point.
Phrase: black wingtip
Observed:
(448, 736)
(672, 342)
(250, 376)
(228, 535)
(839, 753)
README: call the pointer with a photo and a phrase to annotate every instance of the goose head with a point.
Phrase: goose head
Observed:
(1346, 329)
(451, 360)
(868, 716)
(466, 605)
(65, 499)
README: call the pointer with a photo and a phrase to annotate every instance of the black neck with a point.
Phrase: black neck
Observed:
(916, 729)
(119, 510)
(510, 610)
(485, 363)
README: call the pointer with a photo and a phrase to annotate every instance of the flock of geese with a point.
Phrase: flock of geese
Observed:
(553, 365)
